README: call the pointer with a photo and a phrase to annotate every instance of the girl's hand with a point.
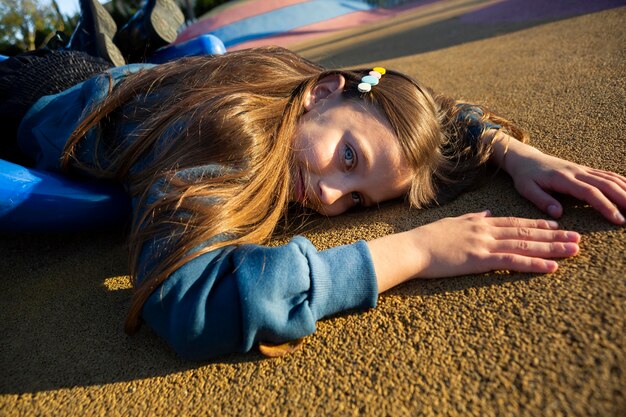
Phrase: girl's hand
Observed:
(476, 243)
(536, 174)
(471, 244)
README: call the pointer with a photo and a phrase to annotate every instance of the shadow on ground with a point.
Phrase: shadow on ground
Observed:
(65, 300)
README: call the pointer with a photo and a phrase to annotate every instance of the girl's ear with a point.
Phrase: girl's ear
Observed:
(328, 87)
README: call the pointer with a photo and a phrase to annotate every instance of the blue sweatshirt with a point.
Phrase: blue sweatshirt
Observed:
(230, 299)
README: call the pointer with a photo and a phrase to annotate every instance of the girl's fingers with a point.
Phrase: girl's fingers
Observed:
(522, 222)
(544, 201)
(536, 249)
(609, 187)
(536, 235)
(611, 176)
(597, 200)
(590, 194)
(520, 263)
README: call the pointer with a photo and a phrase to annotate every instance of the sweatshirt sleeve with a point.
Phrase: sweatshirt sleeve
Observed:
(230, 299)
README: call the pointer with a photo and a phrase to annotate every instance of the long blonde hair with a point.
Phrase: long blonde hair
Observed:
(240, 111)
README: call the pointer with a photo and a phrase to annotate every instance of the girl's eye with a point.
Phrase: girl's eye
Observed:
(356, 198)
(348, 156)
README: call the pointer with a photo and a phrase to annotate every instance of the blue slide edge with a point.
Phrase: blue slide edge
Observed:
(39, 201)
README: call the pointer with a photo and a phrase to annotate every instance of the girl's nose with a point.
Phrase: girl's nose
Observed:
(330, 192)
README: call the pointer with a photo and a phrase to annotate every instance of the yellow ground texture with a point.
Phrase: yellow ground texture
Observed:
(497, 344)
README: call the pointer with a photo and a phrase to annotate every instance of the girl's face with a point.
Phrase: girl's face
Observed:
(346, 155)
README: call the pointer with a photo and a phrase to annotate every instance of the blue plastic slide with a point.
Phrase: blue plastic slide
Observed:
(40, 201)
(201, 45)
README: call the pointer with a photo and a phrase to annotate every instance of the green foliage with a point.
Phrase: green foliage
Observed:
(26, 24)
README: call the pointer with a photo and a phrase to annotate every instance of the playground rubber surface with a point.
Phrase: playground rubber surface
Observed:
(498, 344)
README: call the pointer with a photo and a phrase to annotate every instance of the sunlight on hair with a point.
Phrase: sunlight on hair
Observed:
(121, 282)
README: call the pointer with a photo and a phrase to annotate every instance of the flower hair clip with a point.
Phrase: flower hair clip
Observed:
(369, 81)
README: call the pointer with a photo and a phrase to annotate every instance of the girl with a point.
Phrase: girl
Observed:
(213, 149)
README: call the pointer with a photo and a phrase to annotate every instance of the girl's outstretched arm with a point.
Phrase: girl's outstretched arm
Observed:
(470, 244)
(536, 174)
